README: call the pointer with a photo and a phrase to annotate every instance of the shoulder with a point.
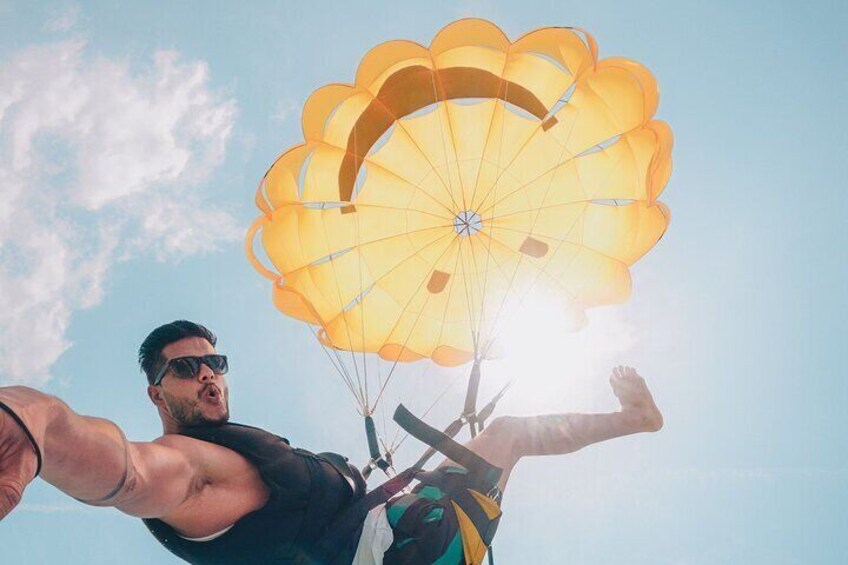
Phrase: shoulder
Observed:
(208, 457)
(174, 440)
(182, 442)
(225, 487)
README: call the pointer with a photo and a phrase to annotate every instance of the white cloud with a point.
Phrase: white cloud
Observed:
(284, 110)
(63, 19)
(97, 163)
(181, 227)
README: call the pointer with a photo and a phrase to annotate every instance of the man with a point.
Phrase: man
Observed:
(214, 492)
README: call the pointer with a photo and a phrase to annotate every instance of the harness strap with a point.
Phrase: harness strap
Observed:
(341, 537)
(480, 469)
(28, 435)
(377, 459)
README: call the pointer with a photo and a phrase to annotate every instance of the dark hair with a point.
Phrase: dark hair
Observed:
(150, 356)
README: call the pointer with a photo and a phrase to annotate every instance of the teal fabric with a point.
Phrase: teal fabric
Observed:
(453, 554)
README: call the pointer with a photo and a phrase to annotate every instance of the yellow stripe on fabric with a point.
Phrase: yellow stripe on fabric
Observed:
(472, 544)
(487, 503)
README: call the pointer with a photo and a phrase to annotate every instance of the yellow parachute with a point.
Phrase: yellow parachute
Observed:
(431, 197)
(449, 182)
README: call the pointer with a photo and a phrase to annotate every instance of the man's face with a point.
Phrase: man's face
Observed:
(198, 401)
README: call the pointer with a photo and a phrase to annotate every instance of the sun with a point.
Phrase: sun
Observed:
(549, 360)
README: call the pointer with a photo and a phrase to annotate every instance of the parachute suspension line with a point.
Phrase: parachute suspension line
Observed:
(361, 296)
(438, 88)
(369, 422)
(361, 395)
(336, 363)
(494, 188)
(469, 412)
(455, 382)
(411, 138)
(469, 296)
(475, 420)
(480, 418)
(455, 155)
(376, 459)
(488, 245)
(456, 426)
(560, 242)
(358, 389)
(478, 320)
(397, 441)
(597, 148)
(497, 104)
(540, 269)
(518, 153)
(390, 450)
(385, 383)
(547, 207)
(418, 316)
(339, 367)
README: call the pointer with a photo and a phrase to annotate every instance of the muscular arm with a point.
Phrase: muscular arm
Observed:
(89, 459)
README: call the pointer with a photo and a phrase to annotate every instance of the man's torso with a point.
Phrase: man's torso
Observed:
(296, 498)
(226, 487)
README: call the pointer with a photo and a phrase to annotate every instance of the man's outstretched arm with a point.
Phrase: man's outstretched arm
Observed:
(87, 458)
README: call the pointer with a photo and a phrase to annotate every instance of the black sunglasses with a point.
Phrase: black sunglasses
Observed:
(188, 367)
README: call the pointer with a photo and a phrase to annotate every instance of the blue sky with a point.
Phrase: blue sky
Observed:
(132, 136)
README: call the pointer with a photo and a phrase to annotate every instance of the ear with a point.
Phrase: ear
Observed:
(155, 395)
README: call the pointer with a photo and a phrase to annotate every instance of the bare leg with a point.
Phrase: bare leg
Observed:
(508, 439)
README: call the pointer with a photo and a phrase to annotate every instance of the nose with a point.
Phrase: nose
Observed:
(205, 373)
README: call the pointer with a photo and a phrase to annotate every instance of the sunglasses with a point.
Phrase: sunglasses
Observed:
(188, 367)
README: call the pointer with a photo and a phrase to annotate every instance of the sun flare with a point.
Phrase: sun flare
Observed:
(549, 360)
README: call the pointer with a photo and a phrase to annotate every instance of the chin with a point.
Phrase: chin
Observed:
(217, 420)
(199, 420)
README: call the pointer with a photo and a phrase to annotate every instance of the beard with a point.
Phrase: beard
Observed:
(188, 412)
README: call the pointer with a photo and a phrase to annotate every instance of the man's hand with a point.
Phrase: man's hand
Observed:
(18, 463)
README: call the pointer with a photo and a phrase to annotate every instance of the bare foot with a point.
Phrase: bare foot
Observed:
(636, 399)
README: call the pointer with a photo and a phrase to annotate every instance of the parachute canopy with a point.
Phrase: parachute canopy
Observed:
(448, 183)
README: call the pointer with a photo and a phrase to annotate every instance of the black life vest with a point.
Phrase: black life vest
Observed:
(308, 491)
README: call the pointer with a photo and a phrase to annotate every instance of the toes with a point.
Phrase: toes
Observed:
(615, 377)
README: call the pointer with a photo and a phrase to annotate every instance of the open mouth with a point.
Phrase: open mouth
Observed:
(211, 393)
